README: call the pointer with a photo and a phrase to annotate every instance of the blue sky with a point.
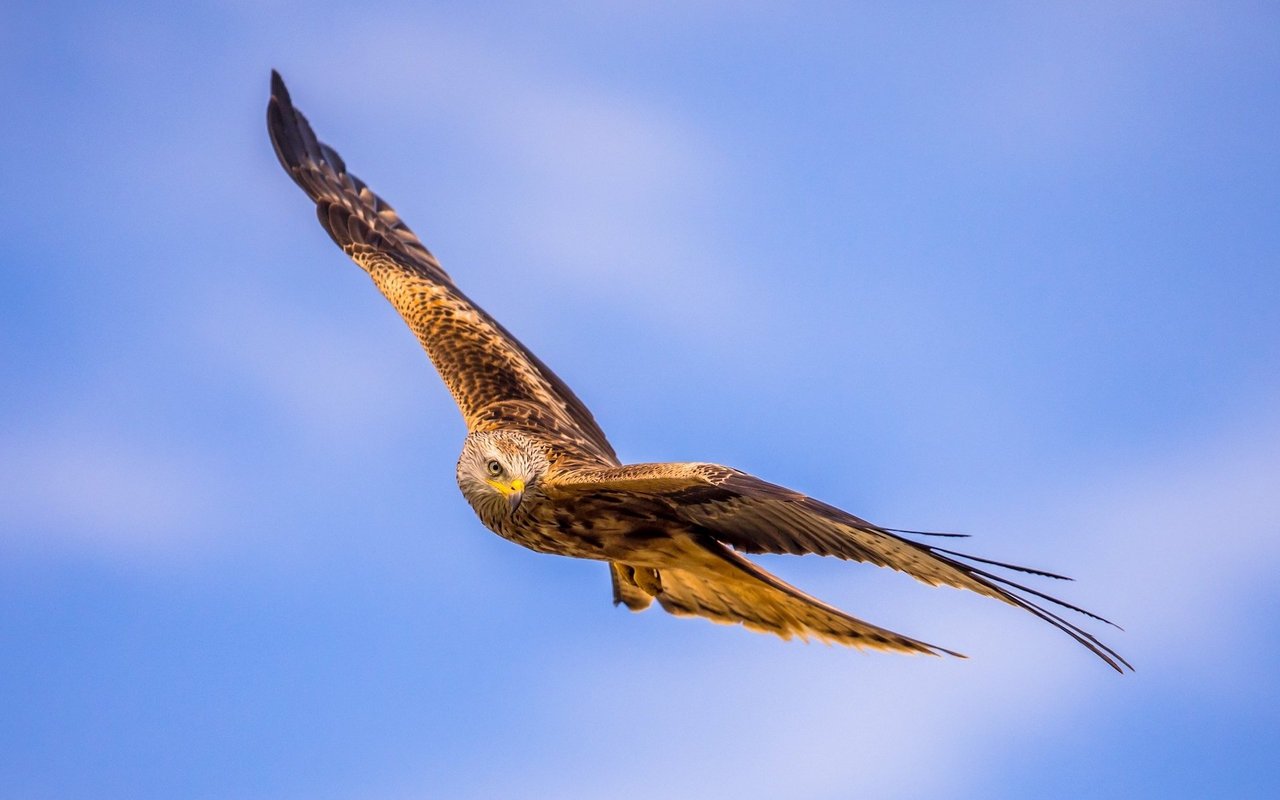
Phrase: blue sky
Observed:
(1010, 270)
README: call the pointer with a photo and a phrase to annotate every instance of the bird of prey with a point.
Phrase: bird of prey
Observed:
(538, 470)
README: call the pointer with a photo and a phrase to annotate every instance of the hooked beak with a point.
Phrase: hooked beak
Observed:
(515, 495)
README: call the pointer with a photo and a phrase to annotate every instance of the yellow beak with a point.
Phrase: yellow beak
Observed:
(514, 491)
(515, 494)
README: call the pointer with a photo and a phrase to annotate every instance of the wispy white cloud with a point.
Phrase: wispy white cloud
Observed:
(77, 487)
(601, 189)
(324, 380)
(1175, 544)
(1188, 545)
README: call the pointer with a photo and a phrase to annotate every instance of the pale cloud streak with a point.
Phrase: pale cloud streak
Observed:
(78, 487)
(607, 190)
(327, 382)
(1174, 544)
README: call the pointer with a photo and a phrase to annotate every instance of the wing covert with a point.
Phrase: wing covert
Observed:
(754, 516)
(495, 380)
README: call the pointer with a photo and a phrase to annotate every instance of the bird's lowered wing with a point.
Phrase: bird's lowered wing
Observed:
(762, 602)
(495, 380)
(754, 516)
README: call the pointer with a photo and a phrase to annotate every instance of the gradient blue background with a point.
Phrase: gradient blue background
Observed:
(1009, 269)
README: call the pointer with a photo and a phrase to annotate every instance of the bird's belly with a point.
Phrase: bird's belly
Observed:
(600, 536)
(555, 541)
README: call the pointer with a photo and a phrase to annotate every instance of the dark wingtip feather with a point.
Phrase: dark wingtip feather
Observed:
(1111, 657)
(278, 89)
(1102, 651)
(304, 157)
(1017, 568)
(339, 166)
(929, 533)
(282, 125)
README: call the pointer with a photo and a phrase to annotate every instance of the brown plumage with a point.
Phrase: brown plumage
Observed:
(538, 470)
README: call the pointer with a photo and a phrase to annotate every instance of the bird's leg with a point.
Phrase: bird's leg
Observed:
(648, 579)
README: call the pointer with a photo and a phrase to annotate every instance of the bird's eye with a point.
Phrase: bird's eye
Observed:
(495, 469)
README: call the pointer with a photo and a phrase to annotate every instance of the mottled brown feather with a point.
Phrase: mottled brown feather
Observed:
(496, 381)
(666, 529)
(761, 601)
(754, 516)
(626, 591)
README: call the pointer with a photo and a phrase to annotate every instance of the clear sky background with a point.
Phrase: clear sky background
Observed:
(1008, 269)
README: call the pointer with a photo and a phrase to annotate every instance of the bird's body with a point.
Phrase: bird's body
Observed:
(539, 471)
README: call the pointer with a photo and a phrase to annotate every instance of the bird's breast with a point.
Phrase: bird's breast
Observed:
(584, 528)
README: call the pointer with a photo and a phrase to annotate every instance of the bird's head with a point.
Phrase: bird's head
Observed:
(496, 470)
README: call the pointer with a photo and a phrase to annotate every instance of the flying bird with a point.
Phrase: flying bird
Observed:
(538, 470)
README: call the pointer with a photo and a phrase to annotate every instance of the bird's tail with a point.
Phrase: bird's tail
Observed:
(730, 589)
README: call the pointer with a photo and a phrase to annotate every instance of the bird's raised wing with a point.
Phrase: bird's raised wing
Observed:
(754, 516)
(495, 380)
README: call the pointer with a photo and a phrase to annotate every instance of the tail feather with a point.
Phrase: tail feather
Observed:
(730, 589)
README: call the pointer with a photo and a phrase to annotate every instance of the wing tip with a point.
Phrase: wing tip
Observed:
(283, 127)
(278, 89)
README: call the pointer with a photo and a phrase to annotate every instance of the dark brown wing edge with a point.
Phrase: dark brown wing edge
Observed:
(821, 619)
(352, 214)
(1000, 587)
(756, 517)
(322, 174)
